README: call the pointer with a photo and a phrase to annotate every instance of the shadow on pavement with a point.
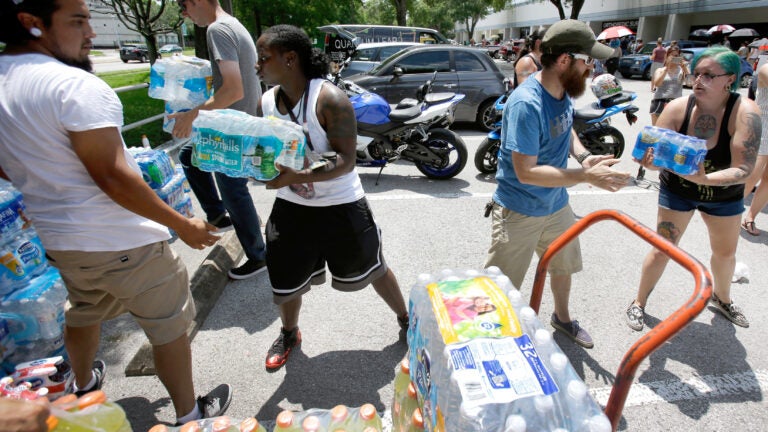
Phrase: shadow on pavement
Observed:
(351, 378)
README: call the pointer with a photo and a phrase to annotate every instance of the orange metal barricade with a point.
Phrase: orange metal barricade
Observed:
(664, 330)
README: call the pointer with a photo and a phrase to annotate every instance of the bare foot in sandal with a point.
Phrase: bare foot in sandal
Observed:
(749, 226)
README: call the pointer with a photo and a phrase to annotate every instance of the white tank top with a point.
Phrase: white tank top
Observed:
(340, 190)
(762, 102)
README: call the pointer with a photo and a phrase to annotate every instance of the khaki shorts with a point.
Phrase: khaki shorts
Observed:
(515, 236)
(149, 282)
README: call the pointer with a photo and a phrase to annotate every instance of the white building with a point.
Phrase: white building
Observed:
(111, 33)
(651, 19)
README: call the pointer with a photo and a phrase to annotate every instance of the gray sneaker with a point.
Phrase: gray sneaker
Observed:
(216, 402)
(730, 311)
(635, 315)
(573, 331)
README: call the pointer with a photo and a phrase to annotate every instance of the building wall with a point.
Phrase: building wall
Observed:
(654, 18)
(111, 33)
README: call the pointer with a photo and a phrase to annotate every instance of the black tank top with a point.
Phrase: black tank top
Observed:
(718, 158)
(514, 75)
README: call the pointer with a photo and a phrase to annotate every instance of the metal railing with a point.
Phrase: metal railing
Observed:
(670, 326)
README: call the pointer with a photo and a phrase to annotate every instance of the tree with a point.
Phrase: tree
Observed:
(257, 15)
(148, 18)
(576, 6)
(469, 12)
(401, 11)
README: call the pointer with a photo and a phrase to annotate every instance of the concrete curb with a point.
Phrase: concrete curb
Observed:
(206, 285)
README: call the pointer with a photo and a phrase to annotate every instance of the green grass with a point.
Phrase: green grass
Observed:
(137, 105)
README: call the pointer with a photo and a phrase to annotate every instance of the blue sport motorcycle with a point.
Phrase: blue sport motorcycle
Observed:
(591, 123)
(416, 130)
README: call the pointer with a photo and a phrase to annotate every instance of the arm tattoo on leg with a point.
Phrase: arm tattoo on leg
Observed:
(669, 231)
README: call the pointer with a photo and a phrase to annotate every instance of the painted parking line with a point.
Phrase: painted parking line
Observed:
(455, 195)
(698, 387)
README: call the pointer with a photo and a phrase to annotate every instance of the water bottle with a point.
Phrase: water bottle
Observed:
(648, 137)
(23, 258)
(339, 418)
(7, 344)
(145, 142)
(156, 166)
(185, 207)
(366, 418)
(181, 78)
(460, 317)
(90, 412)
(172, 193)
(12, 217)
(39, 308)
(240, 145)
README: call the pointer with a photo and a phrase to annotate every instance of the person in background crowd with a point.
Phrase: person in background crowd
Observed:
(232, 54)
(530, 205)
(743, 51)
(101, 225)
(667, 82)
(529, 61)
(334, 224)
(726, 42)
(760, 173)
(658, 56)
(639, 46)
(731, 125)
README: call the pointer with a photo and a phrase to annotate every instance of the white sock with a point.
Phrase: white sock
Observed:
(193, 415)
(90, 384)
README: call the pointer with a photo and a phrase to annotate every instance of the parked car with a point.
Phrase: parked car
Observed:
(170, 49)
(134, 52)
(464, 70)
(745, 74)
(640, 63)
(369, 55)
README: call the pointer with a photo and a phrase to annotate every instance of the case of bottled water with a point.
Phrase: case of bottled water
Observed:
(156, 166)
(216, 424)
(481, 360)
(172, 107)
(181, 78)
(674, 151)
(240, 145)
(12, 217)
(23, 258)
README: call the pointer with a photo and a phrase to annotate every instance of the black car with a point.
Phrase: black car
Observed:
(134, 52)
(464, 70)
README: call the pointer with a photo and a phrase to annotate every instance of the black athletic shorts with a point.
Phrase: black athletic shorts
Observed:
(301, 240)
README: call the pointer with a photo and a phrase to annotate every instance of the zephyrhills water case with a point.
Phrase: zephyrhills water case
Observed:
(240, 145)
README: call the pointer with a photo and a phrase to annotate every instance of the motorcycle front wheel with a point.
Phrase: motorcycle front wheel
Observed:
(452, 155)
(608, 141)
(487, 156)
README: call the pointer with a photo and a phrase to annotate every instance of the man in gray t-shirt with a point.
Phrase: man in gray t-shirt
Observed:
(236, 85)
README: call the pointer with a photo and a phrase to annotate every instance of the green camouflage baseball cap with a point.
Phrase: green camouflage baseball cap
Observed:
(573, 36)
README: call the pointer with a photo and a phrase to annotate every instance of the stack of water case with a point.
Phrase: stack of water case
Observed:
(167, 180)
(183, 82)
(480, 360)
(32, 294)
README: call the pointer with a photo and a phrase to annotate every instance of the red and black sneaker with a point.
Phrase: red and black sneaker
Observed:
(281, 348)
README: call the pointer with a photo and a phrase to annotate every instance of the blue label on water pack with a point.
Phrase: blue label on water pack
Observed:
(218, 149)
(496, 376)
(548, 385)
(462, 358)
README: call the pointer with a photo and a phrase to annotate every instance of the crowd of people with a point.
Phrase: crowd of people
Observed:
(107, 232)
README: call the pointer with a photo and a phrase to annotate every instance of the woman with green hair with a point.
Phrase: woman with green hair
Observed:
(731, 126)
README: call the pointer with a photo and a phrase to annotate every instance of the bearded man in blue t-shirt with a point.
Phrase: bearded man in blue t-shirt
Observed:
(530, 205)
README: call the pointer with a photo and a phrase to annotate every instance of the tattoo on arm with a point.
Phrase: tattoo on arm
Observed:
(752, 140)
(669, 231)
(705, 126)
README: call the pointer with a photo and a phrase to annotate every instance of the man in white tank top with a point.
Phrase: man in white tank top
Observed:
(321, 216)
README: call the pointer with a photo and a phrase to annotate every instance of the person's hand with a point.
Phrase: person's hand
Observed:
(605, 177)
(287, 177)
(197, 233)
(647, 160)
(24, 415)
(593, 160)
(183, 126)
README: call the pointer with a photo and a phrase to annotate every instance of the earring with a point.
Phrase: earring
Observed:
(36, 32)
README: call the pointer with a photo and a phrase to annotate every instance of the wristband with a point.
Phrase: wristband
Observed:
(581, 156)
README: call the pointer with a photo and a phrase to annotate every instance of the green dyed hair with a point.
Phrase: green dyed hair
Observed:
(726, 58)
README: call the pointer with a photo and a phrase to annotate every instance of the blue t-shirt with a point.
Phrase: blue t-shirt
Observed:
(534, 124)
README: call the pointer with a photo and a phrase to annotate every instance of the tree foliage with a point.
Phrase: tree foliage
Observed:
(468, 12)
(258, 15)
(575, 5)
(148, 18)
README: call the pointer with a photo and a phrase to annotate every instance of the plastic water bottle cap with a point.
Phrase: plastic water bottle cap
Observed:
(543, 404)
(542, 337)
(405, 366)
(417, 419)
(367, 412)
(493, 270)
(284, 419)
(311, 424)
(339, 413)
(577, 390)
(558, 361)
(528, 314)
(411, 390)
(515, 423)
(249, 425)
(514, 295)
(600, 423)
